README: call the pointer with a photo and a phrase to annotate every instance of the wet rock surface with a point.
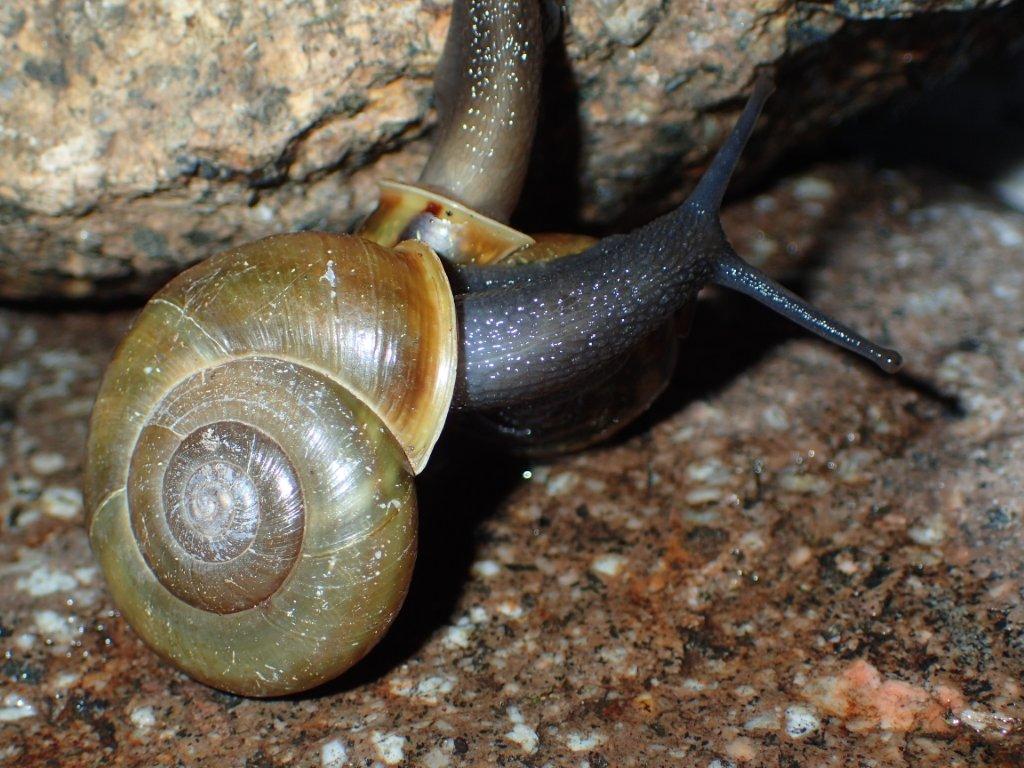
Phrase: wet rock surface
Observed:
(135, 139)
(794, 560)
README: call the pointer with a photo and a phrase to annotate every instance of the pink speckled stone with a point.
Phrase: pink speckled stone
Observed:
(794, 560)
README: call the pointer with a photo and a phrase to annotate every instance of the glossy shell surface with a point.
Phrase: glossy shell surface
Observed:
(251, 457)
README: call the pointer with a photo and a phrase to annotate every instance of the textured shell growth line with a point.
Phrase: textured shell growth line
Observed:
(256, 509)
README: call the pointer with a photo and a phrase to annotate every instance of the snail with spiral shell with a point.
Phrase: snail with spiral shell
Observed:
(252, 452)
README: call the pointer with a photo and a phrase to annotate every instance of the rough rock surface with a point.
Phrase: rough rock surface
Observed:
(136, 138)
(794, 561)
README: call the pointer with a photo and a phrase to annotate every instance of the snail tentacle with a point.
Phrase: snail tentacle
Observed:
(249, 482)
(487, 86)
(733, 272)
(547, 327)
(710, 190)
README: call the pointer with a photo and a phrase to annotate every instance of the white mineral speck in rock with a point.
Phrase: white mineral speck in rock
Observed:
(15, 376)
(929, 303)
(775, 417)
(510, 609)
(614, 655)
(55, 627)
(855, 466)
(1005, 292)
(430, 689)
(929, 532)
(28, 518)
(801, 721)
(333, 754)
(561, 483)
(25, 488)
(86, 575)
(390, 747)
(46, 462)
(45, 581)
(608, 565)
(710, 472)
(16, 708)
(716, 763)
(458, 636)
(568, 577)
(65, 680)
(400, 686)
(62, 359)
(27, 337)
(1010, 186)
(767, 721)
(799, 557)
(486, 568)
(263, 213)
(982, 722)
(813, 188)
(761, 248)
(741, 749)
(796, 482)
(62, 503)
(846, 564)
(143, 718)
(435, 758)
(745, 691)
(524, 736)
(478, 614)
(753, 541)
(699, 496)
(579, 742)
(1007, 234)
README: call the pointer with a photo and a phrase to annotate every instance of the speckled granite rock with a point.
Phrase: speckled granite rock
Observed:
(793, 561)
(137, 138)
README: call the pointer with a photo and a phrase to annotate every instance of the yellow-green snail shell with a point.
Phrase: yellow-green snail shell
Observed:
(252, 451)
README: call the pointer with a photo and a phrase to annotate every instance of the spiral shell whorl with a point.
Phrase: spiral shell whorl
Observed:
(218, 512)
(250, 474)
(219, 483)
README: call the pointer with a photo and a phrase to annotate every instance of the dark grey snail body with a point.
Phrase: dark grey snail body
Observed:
(537, 329)
(487, 90)
(327, 365)
(531, 331)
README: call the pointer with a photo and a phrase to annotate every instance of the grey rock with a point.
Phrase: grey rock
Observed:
(136, 140)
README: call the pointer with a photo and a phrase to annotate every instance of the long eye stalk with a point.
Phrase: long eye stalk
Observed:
(547, 328)
(710, 190)
(487, 88)
(733, 272)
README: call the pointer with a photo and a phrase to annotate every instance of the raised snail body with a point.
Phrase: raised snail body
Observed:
(251, 460)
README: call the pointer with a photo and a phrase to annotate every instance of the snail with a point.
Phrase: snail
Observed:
(253, 447)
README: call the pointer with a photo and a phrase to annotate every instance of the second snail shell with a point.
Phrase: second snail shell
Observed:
(251, 462)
